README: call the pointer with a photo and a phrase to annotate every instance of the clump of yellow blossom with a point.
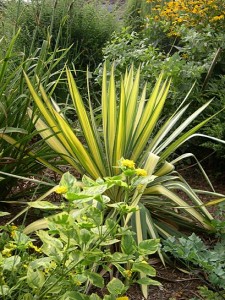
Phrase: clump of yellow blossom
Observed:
(127, 273)
(128, 163)
(141, 172)
(36, 249)
(61, 190)
(191, 13)
(122, 298)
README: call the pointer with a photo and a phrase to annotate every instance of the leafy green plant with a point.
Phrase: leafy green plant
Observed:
(193, 56)
(193, 252)
(129, 128)
(207, 294)
(86, 25)
(75, 252)
(17, 132)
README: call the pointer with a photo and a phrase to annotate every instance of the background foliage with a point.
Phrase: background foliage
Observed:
(158, 38)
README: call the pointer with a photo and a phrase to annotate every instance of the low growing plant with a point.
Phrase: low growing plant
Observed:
(75, 252)
(207, 294)
(194, 253)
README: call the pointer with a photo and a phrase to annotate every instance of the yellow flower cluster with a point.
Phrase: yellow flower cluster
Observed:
(130, 164)
(128, 273)
(7, 251)
(61, 190)
(35, 248)
(192, 13)
(141, 172)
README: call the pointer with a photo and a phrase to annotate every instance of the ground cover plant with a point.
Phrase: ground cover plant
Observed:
(75, 252)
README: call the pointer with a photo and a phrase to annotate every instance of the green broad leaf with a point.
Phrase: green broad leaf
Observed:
(148, 281)
(52, 247)
(119, 268)
(94, 297)
(111, 225)
(85, 235)
(144, 267)
(95, 279)
(109, 297)
(4, 213)
(87, 181)
(28, 296)
(116, 287)
(67, 180)
(62, 218)
(4, 290)
(95, 190)
(96, 215)
(21, 238)
(116, 180)
(35, 279)
(44, 262)
(148, 247)
(128, 244)
(43, 205)
(109, 242)
(11, 263)
(72, 295)
(121, 257)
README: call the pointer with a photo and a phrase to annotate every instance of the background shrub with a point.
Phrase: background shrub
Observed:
(162, 37)
(86, 25)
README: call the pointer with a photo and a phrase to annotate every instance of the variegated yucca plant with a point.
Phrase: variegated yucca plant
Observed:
(129, 128)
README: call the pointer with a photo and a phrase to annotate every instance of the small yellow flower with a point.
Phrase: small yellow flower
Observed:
(140, 186)
(13, 227)
(53, 264)
(122, 298)
(128, 163)
(31, 245)
(61, 190)
(128, 273)
(141, 172)
(7, 252)
(77, 282)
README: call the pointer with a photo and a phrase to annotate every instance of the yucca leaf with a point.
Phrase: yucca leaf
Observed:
(165, 129)
(17, 145)
(86, 125)
(190, 192)
(180, 140)
(112, 117)
(120, 142)
(141, 141)
(159, 189)
(184, 124)
(131, 110)
(147, 112)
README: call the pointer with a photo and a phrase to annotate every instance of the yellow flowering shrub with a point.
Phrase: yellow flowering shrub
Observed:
(191, 13)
